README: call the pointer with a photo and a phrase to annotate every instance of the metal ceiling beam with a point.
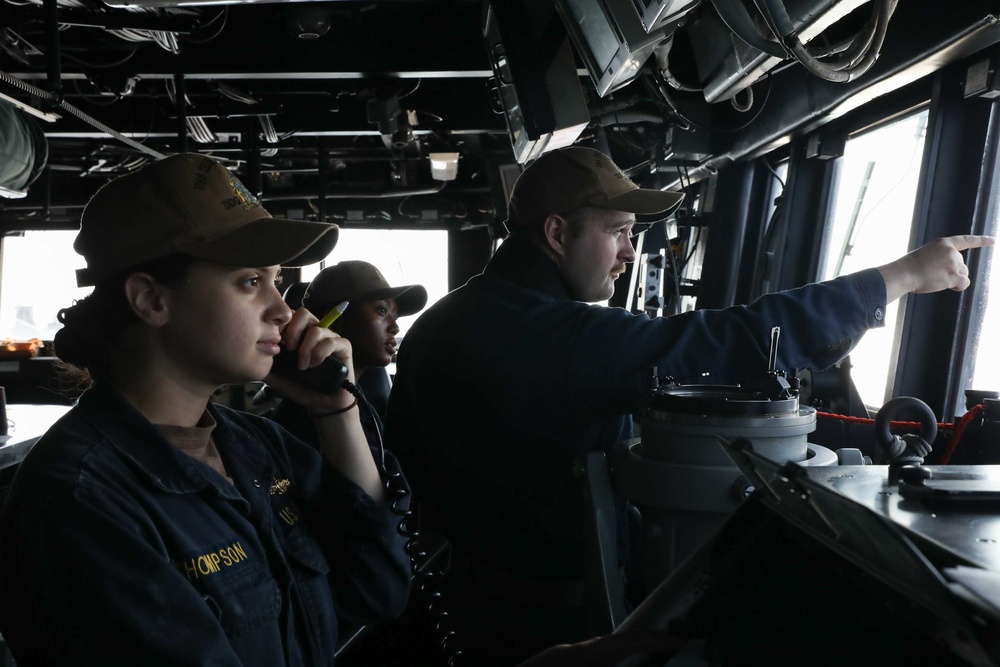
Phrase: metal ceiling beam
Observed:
(923, 37)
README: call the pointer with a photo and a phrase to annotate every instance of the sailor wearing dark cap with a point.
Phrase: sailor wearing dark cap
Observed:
(369, 312)
(505, 385)
(152, 525)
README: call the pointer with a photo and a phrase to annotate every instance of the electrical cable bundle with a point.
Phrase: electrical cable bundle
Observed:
(429, 580)
(855, 55)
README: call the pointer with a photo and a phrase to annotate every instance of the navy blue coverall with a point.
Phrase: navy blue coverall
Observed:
(506, 381)
(118, 548)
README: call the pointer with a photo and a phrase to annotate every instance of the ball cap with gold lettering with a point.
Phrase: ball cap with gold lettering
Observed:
(354, 280)
(568, 178)
(192, 205)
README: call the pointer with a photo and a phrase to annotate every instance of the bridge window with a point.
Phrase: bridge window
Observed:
(871, 220)
(38, 278)
(405, 257)
(986, 368)
(38, 275)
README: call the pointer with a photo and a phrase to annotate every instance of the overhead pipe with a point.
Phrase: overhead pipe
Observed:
(322, 168)
(54, 49)
(181, 102)
(71, 203)
(285, 195)
(58, 101)
(254, 177)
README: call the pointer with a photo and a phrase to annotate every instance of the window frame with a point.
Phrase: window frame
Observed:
(935, 335)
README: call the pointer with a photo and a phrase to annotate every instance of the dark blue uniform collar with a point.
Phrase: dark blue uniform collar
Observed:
(138, 441)
(522, 263)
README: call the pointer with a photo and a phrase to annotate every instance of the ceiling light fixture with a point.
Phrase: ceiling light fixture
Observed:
(444, 166)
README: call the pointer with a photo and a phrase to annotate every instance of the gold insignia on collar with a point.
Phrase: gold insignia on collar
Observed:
(279, 486)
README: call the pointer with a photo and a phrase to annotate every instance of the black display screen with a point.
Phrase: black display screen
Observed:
(598, 31)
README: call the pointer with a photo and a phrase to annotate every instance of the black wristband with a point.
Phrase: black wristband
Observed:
(334, 413)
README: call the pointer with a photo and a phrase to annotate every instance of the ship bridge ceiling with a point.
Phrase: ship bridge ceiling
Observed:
(332, 110)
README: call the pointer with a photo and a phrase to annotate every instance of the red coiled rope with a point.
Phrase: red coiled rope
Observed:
(958, 428)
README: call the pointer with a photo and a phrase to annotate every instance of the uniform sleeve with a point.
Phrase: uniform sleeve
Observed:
(614, 353)
(92, 590)
(370, 570)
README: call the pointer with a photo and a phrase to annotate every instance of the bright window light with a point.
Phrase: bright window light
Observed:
(37, 281)
(986, 371)
(872, 216)
(39, 272)
(405, 257)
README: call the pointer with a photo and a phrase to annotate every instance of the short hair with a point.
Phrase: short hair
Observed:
(575, 219)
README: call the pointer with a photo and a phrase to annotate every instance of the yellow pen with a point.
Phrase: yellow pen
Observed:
(332, 316)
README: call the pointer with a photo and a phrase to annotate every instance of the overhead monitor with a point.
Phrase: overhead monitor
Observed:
(656, 14)
(610, 38)
(536, 77)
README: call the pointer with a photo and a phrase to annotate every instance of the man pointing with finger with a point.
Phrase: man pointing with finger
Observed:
(509, 380)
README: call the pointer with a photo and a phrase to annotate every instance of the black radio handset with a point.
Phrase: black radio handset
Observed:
(329, 376)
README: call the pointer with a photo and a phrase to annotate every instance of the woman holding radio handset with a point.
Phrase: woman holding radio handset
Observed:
(152, 526)
(365, 310)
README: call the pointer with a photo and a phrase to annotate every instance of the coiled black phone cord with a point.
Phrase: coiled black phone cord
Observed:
(428, 580)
